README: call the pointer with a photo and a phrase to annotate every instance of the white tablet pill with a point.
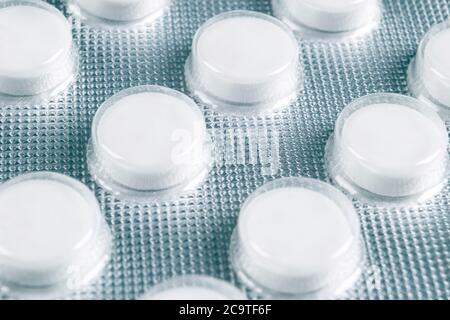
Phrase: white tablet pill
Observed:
(36, 55)
(390, 147)
(194, 288)
(325, 17)
(147, 140)
(52, 234)
(120, 11)
(297, 238)
(244, 61)
(429, 74)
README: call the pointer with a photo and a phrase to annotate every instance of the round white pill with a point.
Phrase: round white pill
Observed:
(244, 59)
(150, 138)
(194, 288)
(37, 56)
(335, 16)
(189, 293)
(122, 10)
(297, 236)
(392, 146)
(51, 232)
(429, 75)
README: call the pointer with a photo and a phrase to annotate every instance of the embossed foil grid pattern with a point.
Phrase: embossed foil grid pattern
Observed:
(408, 250)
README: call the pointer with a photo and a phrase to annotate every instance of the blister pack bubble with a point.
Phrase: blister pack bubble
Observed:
(407, 249)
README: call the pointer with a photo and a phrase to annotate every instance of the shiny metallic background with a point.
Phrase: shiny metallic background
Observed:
(408, 250)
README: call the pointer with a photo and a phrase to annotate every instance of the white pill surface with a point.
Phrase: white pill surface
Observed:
(392, 149)
(150, 138)
(122, 10)
(293, 239)
(189, 293)
(328, 16)
(194, 288)
(39, 43)
(244, 59)
(49, 224)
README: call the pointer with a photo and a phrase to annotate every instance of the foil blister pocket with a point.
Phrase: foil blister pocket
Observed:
(406, 248)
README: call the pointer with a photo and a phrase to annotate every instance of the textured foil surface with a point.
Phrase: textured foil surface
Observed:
(407, 249)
